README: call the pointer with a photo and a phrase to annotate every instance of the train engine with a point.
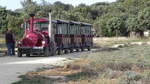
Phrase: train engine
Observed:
(36, 38)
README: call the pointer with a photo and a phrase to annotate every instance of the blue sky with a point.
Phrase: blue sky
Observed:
(14, 4)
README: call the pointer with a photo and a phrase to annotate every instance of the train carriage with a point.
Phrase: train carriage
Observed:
(86, 35)
(44, 36)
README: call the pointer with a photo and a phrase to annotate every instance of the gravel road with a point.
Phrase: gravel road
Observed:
(12, 67)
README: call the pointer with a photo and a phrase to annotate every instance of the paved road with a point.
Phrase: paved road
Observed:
(12, 67)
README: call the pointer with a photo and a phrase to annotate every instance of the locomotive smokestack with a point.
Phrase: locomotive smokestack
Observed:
(32, 15)
(31, 22)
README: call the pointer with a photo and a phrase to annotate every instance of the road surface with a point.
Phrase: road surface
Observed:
(12, 67)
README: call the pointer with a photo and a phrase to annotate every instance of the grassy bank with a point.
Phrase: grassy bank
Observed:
(108, 41)
(128, 65)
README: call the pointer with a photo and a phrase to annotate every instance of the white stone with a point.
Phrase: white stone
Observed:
(137, 43)
(148, 43)
(118, 46)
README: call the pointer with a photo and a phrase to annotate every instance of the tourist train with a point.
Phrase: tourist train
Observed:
(48, 37)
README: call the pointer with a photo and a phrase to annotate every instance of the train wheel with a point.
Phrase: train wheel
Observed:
(28, 55)
(66, 51)
(82, 49)
(60, 52)
(77, 50)
(71, 50)
(46, 51)
(89, 48)
(19, 53)
(52, 53)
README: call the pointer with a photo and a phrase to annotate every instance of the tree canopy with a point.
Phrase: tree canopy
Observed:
(109, 19)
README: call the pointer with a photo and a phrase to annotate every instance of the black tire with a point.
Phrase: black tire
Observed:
(66, 51)
(28, 55)
(19, 53)
(89, 48)
(60, 52)
(71, 50)
(77, 50)
(46, 51)
(82, 49)
(52, 52)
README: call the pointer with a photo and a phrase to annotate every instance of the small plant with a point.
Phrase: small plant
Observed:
(35, 80)
(130, 77)
(146, 79)
(119, 66)
(82, 75)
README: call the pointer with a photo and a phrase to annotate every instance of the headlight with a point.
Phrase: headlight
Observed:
(43, 42)
(19, 42)
(27, 36)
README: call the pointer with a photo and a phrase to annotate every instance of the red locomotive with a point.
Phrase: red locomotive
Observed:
(46, 36)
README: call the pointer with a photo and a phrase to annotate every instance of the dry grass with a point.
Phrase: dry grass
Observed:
(2, 43)
(61, 71)
(105, 41)
(129, 65)
(96, 81)
(72, 68)
(2, 46)
(125, 66)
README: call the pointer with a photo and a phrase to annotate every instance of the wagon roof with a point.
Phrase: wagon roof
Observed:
(63, 21)
(74, 22)
(54, 21)
(85, 24)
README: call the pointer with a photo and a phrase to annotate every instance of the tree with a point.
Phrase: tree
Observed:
(132, 24)
(144, 19)
(100, 24)
(29, 6)
(44, 10)
(115, 26)
(3, 21)
(109, 19)
(98, 9)
(100, 27)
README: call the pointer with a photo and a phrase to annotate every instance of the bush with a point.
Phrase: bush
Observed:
(130, 77)
(146, 80)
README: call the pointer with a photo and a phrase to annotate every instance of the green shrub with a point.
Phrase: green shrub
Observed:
(130, 77)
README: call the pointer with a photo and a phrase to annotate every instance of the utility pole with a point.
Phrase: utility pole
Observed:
(50, 29)
(51, 36)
